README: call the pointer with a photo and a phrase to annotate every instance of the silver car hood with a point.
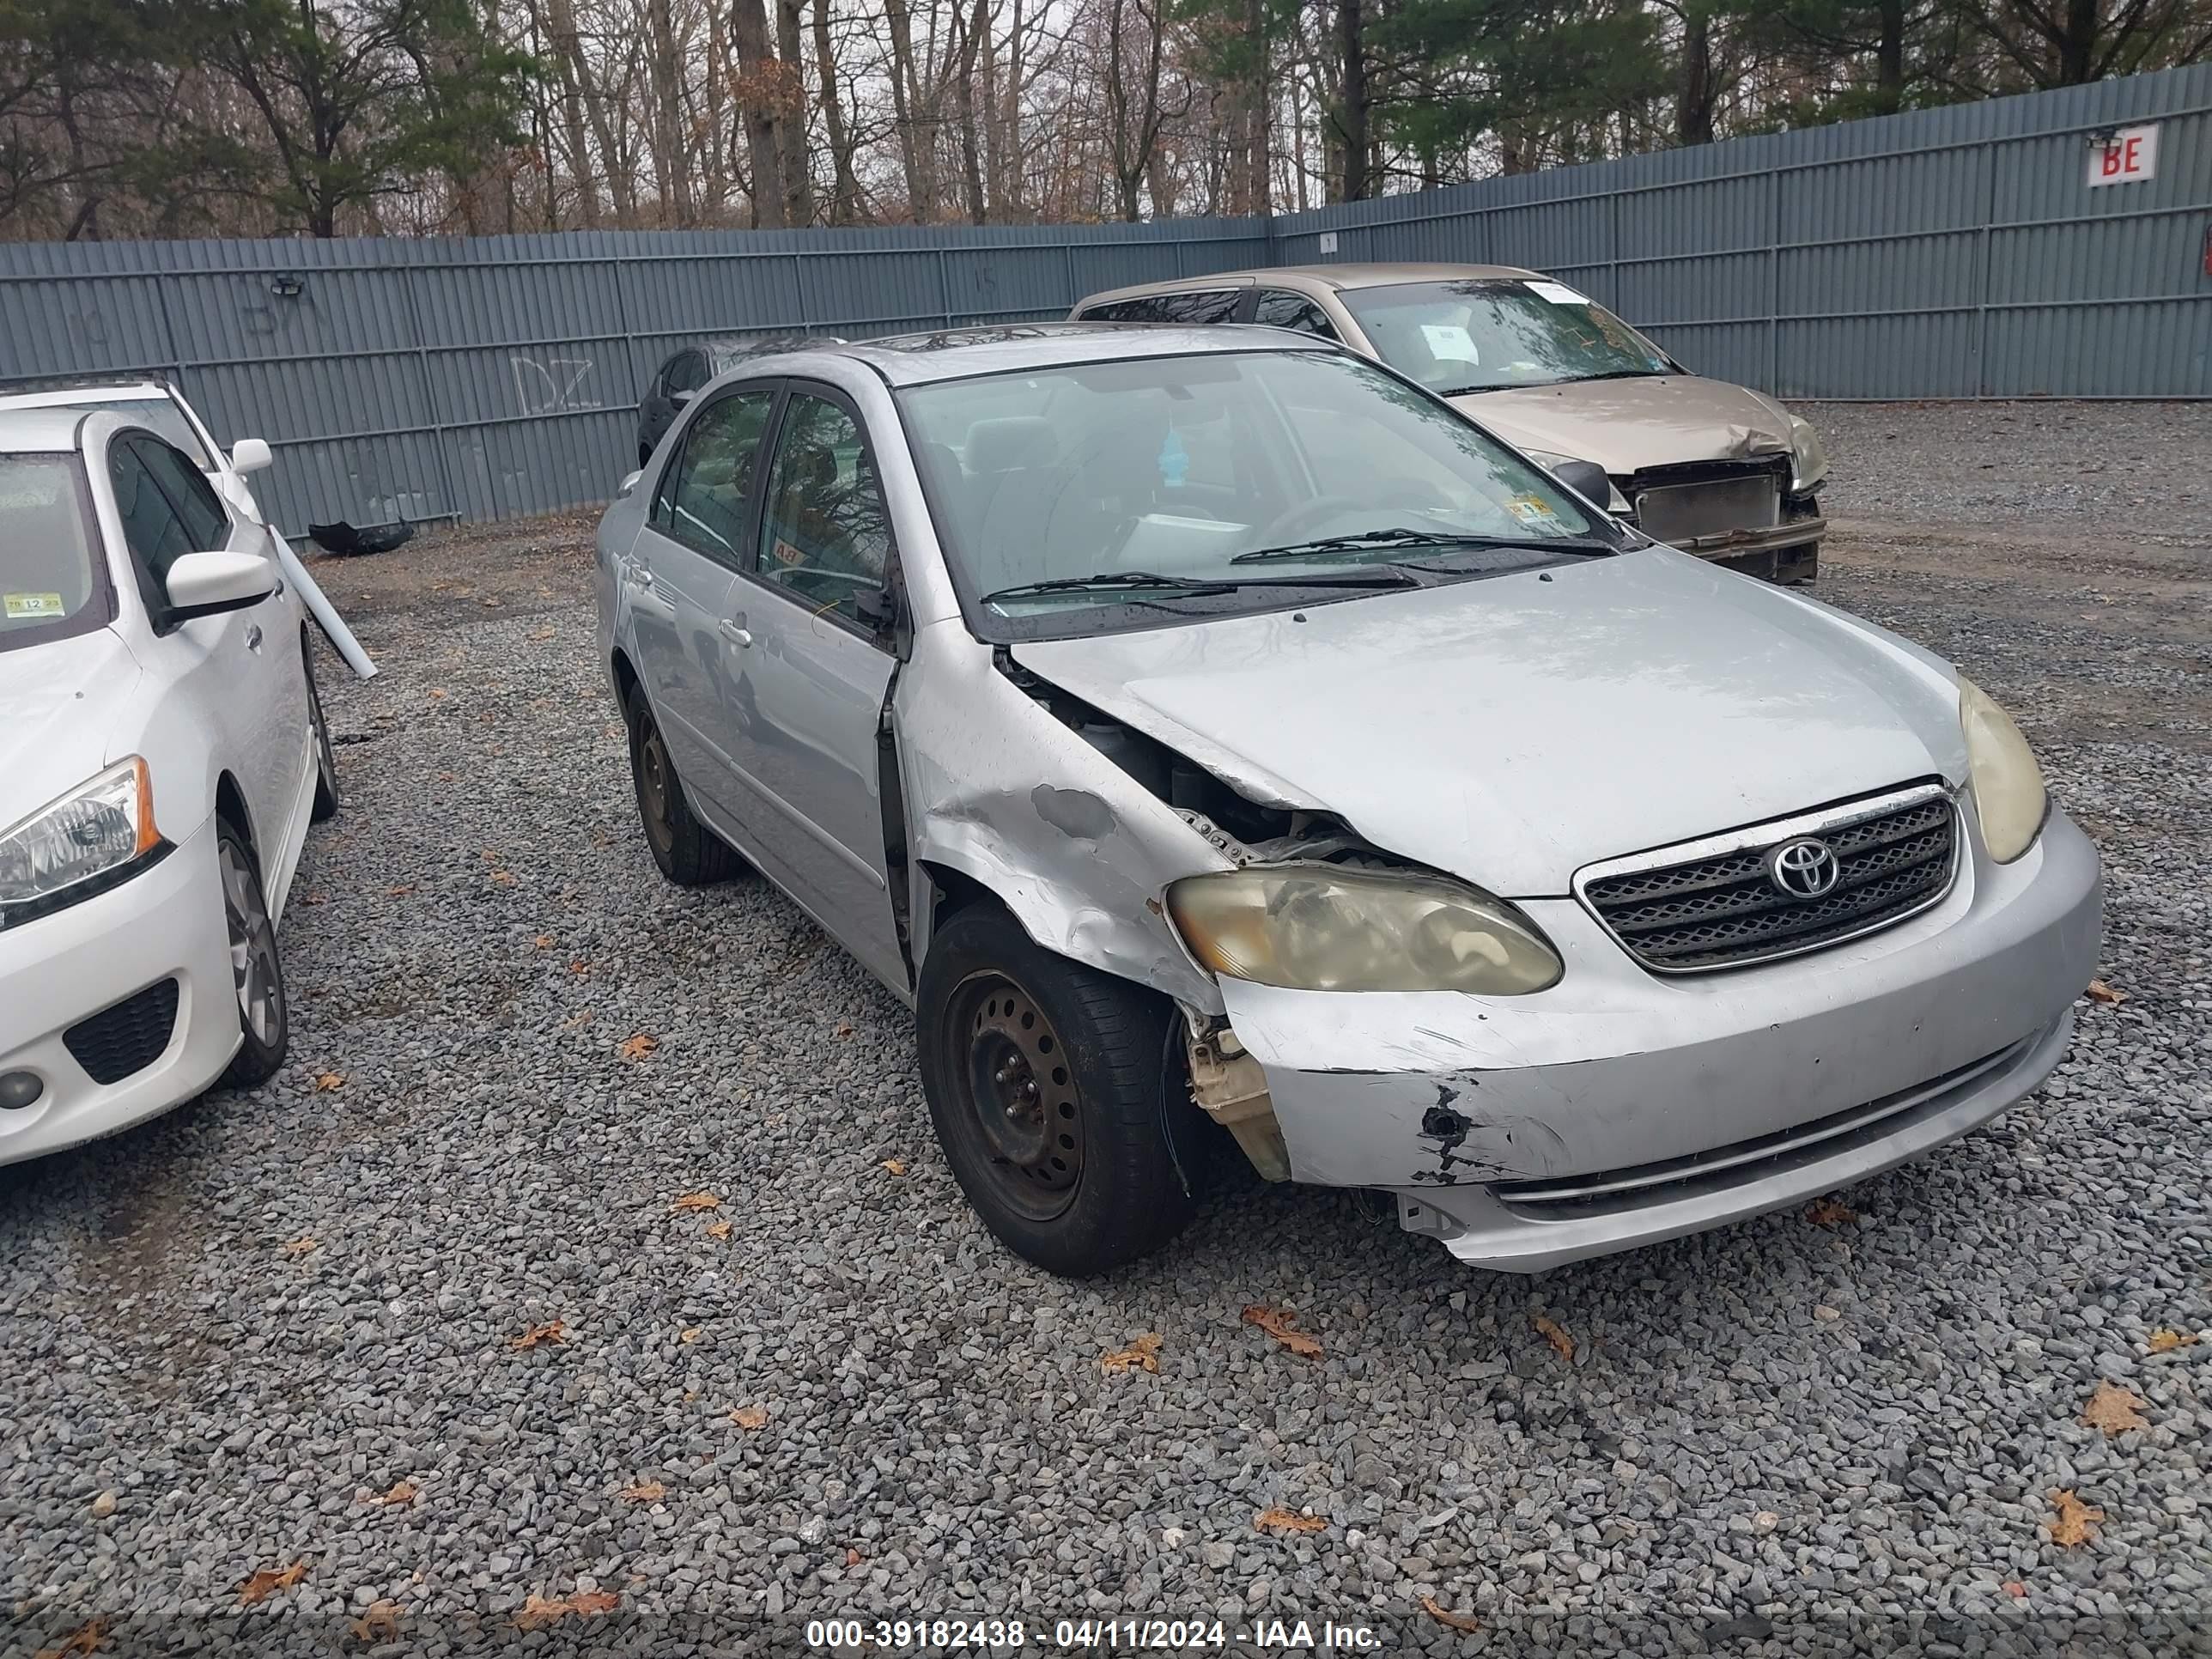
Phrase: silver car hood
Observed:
(1625, 425)
(1513, 729)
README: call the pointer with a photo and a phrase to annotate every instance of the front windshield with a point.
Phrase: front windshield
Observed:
(51, 583)
(1486, 333)
(1235, 476)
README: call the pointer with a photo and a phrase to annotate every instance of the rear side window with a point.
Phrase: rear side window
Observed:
(1214, 305)
(1280, 309)
(705, 490)
(686, 370)
(1152, 308)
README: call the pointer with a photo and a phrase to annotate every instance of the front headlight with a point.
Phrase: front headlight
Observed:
(1809, 462)
(2009, 793)
(1551, 460)
(1315, 928)
(98, 827)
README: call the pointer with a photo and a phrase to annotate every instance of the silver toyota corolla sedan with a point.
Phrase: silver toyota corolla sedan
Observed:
(1194, 725)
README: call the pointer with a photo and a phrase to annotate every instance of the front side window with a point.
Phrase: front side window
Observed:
(206, 525)
(54, 582)
(152, 528)
(1278, 309)
(829, 537)
(705, 491)
(1484, 334)
(1216, 482)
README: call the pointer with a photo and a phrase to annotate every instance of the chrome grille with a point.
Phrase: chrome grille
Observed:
(1710, 904)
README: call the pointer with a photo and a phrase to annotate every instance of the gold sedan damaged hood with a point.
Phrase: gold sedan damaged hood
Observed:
(1626, 425)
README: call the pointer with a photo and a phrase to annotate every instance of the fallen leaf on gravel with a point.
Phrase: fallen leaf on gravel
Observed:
(2015, 1589)
(328, 1081)
(504, 877)
(693, 1200)
(689, 1333)
(378, 1622)
(1830, 1213)
(2115, 1409)
(84, 1639)
(580, 967)
(854, 1558)
(2166, 1341)
(445, 777)
(750, 1417)
(403, 1492)
(268, 1581)
(636, 1048)
(540, 1611)
(717, 1230)
(303, 1245)
(646, 1491)
(401, 890)
(1444, 1615)
(1555, 1333)
(2101, 991)
(543, 941)
(584, 1018)
(1142, 1354)
(312, 898)
(1280, 1323)
(542, 635)
(895, 1165)
(2072, 1521)
(549, 1331)
(843, 1029)
(1288, 1520)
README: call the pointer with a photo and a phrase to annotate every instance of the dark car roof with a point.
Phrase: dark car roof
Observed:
(955, 354)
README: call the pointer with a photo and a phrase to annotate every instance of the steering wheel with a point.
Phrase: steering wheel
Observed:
(801, 577)
(1313, 510)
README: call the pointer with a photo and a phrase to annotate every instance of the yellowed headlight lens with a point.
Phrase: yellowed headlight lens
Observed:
(2009, 793)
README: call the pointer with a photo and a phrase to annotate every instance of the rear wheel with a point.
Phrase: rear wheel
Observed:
(257, 972)
(689, 853)
(1049, 1087)
(326, 759)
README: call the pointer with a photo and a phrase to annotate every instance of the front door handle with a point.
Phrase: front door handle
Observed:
(253, 636)
(737, 635)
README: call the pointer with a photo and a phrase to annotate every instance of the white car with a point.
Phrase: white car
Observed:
(162, 752)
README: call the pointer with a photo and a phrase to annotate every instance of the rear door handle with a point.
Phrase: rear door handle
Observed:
(737, 635)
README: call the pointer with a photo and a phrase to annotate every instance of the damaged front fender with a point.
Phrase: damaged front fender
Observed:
(1078, 852)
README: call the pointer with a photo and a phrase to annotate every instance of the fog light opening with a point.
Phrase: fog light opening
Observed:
(19, 1089)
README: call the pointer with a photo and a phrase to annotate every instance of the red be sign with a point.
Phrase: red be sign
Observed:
(2129, 154)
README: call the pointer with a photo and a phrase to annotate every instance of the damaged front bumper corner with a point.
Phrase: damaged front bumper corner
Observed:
(1619, 1109)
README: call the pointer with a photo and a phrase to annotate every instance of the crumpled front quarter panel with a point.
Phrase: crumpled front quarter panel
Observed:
(1080, 853)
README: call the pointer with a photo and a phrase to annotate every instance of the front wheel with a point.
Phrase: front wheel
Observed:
(326, 758)
(256, 973)
(1050, 1085)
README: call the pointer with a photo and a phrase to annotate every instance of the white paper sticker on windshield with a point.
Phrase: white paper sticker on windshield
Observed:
(20, 606)
(1558, 294)
(1451, 342)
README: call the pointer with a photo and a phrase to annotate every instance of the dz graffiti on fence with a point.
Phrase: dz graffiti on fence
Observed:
(551, 386)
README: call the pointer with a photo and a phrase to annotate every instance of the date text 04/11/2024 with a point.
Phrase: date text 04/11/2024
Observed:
(1105, 1635)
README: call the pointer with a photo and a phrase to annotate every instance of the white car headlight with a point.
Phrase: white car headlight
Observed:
(1316, 927)
(1809, 461)
(1551, 460)
(2008, 792)
(98, 827)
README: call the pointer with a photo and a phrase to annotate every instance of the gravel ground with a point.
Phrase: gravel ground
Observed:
(291, 1325)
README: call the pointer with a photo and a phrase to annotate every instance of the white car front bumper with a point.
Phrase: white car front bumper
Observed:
(86, 987)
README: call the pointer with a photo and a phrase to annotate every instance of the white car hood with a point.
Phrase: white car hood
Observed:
(1513, 729)
(58, 702)
(1626, 425)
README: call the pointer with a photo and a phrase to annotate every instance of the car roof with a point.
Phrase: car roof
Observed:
(53, 394)
(1310, 278)
(27, 429)
(959, 354)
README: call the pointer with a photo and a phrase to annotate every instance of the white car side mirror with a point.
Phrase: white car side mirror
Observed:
(250, 455)
(202, 583)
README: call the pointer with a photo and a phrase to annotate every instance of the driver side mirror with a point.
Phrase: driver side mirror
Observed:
(681, 397)
(205, 584)
(250, 455)
(1586, 479)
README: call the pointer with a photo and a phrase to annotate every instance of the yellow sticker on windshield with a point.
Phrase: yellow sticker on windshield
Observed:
(1532, 509)
(20, 605)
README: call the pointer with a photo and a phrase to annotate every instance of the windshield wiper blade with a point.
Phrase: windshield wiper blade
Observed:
(1200, 587)
(1368, 540)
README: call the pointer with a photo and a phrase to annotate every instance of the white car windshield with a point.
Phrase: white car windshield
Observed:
(52, 581)
(1487, 333)
(1222, 475)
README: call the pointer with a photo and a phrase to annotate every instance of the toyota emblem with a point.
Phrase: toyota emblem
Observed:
(1803, 869)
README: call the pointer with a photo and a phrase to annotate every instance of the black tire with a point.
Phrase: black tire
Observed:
(326, 757)
(687, 852)
(644, 456)
(1006, 1113)
(263, 1011)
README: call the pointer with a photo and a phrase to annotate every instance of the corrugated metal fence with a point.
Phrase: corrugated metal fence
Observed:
(1955, 252)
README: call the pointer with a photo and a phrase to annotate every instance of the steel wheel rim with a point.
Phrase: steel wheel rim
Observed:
(253, 970)
(652, 782)
(1018, 1092)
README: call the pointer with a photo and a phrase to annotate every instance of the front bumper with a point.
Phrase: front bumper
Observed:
(63, 968)
(1619, 1109)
